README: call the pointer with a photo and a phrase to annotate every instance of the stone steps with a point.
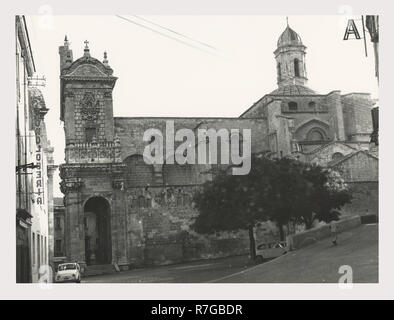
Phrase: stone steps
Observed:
(98, 269)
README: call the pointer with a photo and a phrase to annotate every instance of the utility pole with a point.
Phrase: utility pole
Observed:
(372, 24)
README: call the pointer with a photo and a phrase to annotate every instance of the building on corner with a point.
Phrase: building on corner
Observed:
(34, 165)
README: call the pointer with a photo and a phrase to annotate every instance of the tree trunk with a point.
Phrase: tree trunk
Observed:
(308, 223)
(281, 232)
(252, 243)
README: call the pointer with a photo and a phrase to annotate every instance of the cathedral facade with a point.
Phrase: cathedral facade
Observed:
(121, 210)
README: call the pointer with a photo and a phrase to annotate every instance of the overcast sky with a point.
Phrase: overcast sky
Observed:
(159, 76)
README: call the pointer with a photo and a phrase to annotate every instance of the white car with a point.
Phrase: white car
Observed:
(271, 250)
(68, 272)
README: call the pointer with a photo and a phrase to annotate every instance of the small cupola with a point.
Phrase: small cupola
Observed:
(290, 59)
(289, 38)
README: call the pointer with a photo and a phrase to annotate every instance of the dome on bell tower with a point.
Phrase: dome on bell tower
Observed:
(289, 38)
(290, 59)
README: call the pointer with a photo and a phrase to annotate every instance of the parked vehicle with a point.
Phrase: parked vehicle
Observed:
(68, 272)
(266, 251)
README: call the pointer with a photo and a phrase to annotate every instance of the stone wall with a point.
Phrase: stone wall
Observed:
(360, 170)
(324, 155)
(159, 232)
(365, 199)
(357, 116)
(308, 237)
(131, 130)
(359, 167)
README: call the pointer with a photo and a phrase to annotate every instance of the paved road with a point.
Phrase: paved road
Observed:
(316, 263)
(320, 262)
(194, 272)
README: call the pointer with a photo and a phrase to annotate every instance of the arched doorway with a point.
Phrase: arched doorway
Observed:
(97, 224)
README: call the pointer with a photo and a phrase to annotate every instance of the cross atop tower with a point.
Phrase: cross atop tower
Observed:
(66, 42)
(105, 61)
(86, 50)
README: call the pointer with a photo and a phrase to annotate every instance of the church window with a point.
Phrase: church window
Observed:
(315, 135)
(337, 156)
(312, 104)
(279, 72)
(141, 202)
(296, 67)
(57, 223)
(293, 106)
(58, 247)
(186, 199)
(90, 132)
(179, 199)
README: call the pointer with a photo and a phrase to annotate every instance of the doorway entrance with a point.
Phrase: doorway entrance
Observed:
(97, 225)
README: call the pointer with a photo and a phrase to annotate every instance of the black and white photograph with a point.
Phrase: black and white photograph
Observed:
(197, 148)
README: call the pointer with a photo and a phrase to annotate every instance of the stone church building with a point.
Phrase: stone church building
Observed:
(121, 210)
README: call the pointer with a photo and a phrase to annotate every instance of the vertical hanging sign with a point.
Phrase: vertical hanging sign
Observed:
(38, 161)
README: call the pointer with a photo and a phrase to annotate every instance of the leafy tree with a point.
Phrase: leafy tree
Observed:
(279, 190)
(287, 192)
(231, 203)
(305, 193)
(327, 192)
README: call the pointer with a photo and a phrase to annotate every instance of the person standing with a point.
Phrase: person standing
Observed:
(334, 232)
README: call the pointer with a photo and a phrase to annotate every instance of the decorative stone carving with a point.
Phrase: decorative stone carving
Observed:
(118, 184)
(71, 185)
(69, 94)
(90, 107)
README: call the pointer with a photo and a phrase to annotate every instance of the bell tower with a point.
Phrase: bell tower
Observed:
(86, 108)
(93, 170)
(290, 59)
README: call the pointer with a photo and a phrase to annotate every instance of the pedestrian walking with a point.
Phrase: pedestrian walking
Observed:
(334, 232)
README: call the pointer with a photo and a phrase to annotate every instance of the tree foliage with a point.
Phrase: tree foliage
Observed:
(279, 190)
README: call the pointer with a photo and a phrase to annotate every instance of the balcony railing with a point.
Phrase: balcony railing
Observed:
(92, 152)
